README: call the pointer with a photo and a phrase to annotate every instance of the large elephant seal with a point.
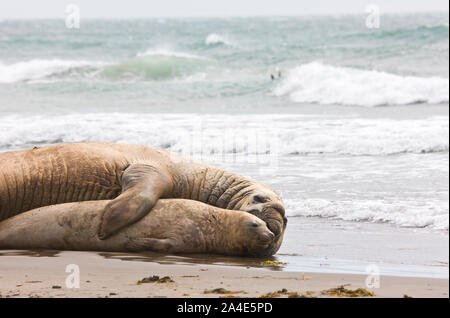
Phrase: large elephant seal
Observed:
(173, 226)
(134, 176)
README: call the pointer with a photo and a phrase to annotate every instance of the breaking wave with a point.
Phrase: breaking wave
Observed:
(324, 84)
(147, 66)
(433, 215)
(37, 69)
(157, 65)
(215, 39)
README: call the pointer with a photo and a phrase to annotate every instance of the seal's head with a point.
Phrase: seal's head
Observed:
(267, 205)
(254, 236)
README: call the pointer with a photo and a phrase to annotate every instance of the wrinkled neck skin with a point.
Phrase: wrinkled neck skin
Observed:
(209, 184)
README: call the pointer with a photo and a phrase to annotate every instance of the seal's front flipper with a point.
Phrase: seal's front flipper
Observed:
(151, 244)
(142, 186)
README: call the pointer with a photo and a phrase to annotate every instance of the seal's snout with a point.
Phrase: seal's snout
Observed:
(266, 237)
(259, 232)
(273, 214)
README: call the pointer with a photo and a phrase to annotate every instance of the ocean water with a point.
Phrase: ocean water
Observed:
(353, 128)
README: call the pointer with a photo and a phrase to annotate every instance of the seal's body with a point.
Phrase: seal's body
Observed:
(135, 177)
(173, 226)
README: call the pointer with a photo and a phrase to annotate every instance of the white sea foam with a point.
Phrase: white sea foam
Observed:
(39, 69)
(430, 214)
(288, 134)
(215, 39)
(324, 84)
(149, 65)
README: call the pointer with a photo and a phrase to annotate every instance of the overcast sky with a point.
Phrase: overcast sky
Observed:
(169, 8)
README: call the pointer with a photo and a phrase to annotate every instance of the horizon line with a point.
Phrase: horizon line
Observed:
(63, 16)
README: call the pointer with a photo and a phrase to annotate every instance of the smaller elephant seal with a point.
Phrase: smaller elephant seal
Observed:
(173, 226)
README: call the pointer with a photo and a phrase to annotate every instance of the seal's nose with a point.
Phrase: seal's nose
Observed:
(267, 236)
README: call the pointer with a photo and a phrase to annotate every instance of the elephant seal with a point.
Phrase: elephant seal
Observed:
(173, 226)
(134, 177)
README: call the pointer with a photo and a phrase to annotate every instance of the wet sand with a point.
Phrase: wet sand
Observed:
(43, 274)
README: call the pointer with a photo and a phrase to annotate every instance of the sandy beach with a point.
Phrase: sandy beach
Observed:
(43, 274)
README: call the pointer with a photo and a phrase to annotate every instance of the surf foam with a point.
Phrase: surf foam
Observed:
(148, 65)
(215, 39)
(433, 215)
(325, 84)
(40, 69)
(233, 134)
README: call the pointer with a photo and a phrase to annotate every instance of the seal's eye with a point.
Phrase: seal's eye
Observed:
(259, 199)
(254, 224)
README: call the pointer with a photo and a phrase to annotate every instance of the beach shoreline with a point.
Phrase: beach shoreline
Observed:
(44, 275)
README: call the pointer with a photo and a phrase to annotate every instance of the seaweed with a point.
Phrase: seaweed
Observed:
(285, 292)
(297, 295)
(341, 291)
(269, 263)
(155, 279)
(271, 295)
(222, 291)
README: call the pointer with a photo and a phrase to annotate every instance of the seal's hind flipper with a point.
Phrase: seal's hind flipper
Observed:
(142, 186)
